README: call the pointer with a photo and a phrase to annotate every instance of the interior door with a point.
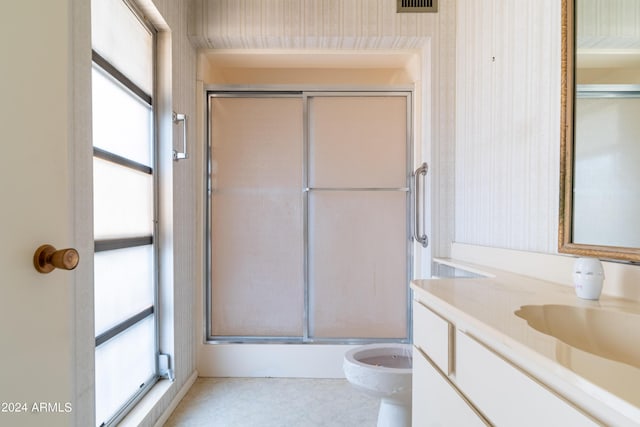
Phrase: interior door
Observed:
(39, 323)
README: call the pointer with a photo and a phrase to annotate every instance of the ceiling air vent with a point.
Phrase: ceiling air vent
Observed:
(415, 6)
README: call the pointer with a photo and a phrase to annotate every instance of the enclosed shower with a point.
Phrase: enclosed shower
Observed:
(309, 216)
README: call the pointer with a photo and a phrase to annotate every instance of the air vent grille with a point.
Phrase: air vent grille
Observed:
(417, 6)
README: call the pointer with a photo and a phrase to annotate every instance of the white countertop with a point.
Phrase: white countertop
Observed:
(484, 308)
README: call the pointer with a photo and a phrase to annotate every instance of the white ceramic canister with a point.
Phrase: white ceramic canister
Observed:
(588, 278)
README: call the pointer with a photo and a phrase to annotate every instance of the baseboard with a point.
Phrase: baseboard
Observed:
(176, 400)
(272, 360)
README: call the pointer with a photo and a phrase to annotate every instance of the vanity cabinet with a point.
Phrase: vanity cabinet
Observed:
(437, 402)
(460, 381)
(506, 395)
(433, 335)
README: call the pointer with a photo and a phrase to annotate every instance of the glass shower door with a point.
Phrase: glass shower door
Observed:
(256, 236)
(357, 217)
(309, 234)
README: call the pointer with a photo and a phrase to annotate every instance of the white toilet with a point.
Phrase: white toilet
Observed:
(383, 371)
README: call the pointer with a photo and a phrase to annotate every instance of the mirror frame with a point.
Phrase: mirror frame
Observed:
(567, 92)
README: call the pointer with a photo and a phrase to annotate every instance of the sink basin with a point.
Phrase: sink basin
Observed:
(610, 334)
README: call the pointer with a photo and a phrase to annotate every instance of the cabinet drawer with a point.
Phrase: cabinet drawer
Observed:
(435, 401)
(434, 336)
(505, 395)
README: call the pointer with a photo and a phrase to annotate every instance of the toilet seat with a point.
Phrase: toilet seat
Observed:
(385, 356)
(372, 369)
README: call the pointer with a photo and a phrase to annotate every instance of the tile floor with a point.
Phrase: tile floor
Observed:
(274, 402)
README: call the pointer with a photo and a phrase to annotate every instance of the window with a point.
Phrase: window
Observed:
(124, 182)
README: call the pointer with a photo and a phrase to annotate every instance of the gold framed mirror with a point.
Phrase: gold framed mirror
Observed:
(600, 130)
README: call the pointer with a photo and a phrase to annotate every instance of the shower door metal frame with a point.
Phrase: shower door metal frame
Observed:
(305, 93)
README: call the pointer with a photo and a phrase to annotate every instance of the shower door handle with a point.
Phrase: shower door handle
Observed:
(418, 191)
(181, 118)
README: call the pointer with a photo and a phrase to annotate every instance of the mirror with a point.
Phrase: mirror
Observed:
(600, 146)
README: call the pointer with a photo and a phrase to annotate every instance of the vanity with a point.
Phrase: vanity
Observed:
(476, 362)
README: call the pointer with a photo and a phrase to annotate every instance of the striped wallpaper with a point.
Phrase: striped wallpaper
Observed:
(508, 124)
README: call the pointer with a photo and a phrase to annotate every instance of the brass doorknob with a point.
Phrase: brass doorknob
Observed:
(47, 258)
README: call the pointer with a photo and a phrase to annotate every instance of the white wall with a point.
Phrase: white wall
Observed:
(508, 124)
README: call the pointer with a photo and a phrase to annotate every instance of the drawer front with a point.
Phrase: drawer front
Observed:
(504, 394)
(434, 336)
(435, 401)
